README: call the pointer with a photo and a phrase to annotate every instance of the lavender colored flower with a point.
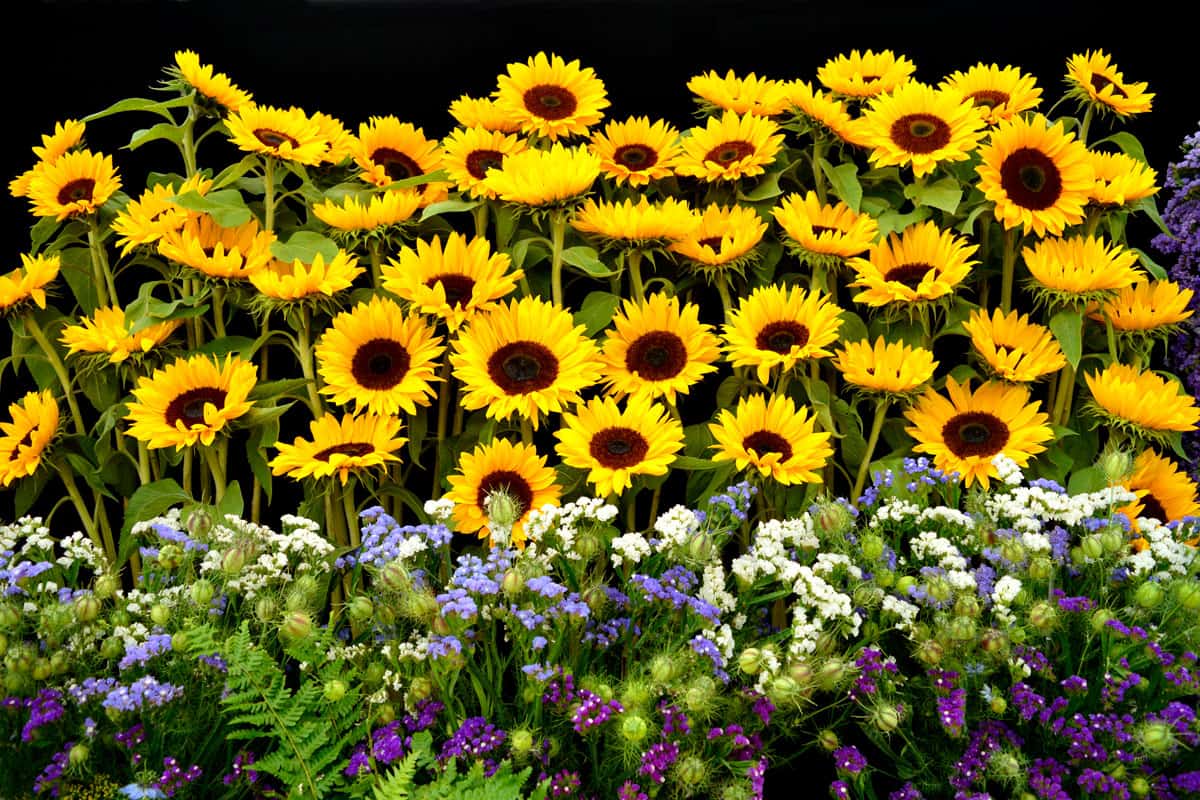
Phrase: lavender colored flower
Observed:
(593, 711)
(849, 759)
(952, 711)
(839, 790)
(473, 739)
(147, 690)
(174, 777)
(44, 709)
(47, 780)
(657, 760)
(631, 791)
(442, 646)
(906, 792)
(139, 654)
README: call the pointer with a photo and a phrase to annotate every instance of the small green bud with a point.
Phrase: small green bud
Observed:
(828, 739)
(41, 669)
(1005, 766)
(783, 690)
(1041, 568)
(1043, 616)
(634, 728)
(1149, 595)
(904, 583)
(170, 556)
(831, 673)
(360, 609)
(885, 717)
(930, 652)
(3, 645)
(202, 592)
(160, 614)
(106, 586)
(9, 617)
(885, 578)
(385, 714)
(373, 674)
(968, 606)
(520, 742)
(265, 609)
(700, 694)
(87, 608)
(78, 755)
(334, 691)
(1113, 540)
(1093, 546)
(394, 577)
(296, 626)
(962, 629)
(1115, 464)
(180, 641)
(872, 547)
(59, 662)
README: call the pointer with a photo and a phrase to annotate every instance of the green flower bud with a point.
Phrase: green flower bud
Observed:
(637, 694)
(1139, 786)
(1013, 551)
(334, 690)
(939, 589)
(265, 609)
(1187, 594)
(885, 578)
(872, 547)
(170, 556)
(828, 739)
(885, 717)
(691, 771)
(180, 641)
(930, 652)
(700, 695)
(373, 674)
(202, 592)
(394, 577)
(831, 673)
(59, 663)
(1115, 464)
(9, 617)
(78, 755)
(1043, 616)
(1092, 546)
(700, 549)
(1077, 556)
(998, 704)
(588, 546)
(1099, 619)
(160, 614)
(87, 608)
(903, 584)
(832, 520)
(296, 600)
(1149, 595)
(962, 629)
(968, 606)
(520, 743)
(112, 647)
(1157, 737)
(421, 606)
(1041, 568)
(634, 728)
(360, 609)
(385, 714)
(663, 669)
(1113, 541)
(421, 688)
(234, 561)
(512, 583)
(41, 669)
(120, 617)
(296, 626)
(750, 660)
(503, 509)
(783, 690)
(106, 586)
(801, 672)
(596, 598)
(199, 522)
(309, 586)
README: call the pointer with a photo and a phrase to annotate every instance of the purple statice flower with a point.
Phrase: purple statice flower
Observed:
(631, 791)
(849, 759)
(540, 672)
(169, 534)
(1076, 605)
(1060, 543)
(383, 539)
(839, 790)
(673, 588)
(240, 768)
(570, 606)
(1188, 782)
(763, 707)
(1045, 778)
(952, 711)
(603, 634)
(1114, 689)
(708, 648)
(565, 783)
(139, 654)
(147, 690)
(545, 586)
(985, 582)
(442, 646)
(984, 743)
(215, 661)
(674, 719)
(474, 738)
(757, 773)
(531, 619)
(906, 792)
(870, 663)
(1035, 659)
(560, 691)
(89, 688)
(47, 780)
(457, 601)
(593, 710)
(657, 760)
(1075, 684)
(44, 709)
(174, 777)
(132, 737)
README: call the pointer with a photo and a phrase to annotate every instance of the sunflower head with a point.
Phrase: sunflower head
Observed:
(726, 240)
(1120, 179)
(500, 466)
(216, 253)
(919, 126)
(388, 150)
(482, 112)
(865, 74)
(817, 113)
(750, 94)
(190, 401)
(468, 154)
(636, 152)
(378, 220)
(1147, 311)
(109, 335)
(287, 134)
(999, 93)
(920, 265)
(544, 179)
(286, 285)
(215, 93)
(25, 438)
(824, 236)
(1013, 348)
(729, 147)
(885, 369)
(1164, 491)
(27, 283)
(774, 437)
(550, 97)
(1095, 81)
(76, 184)
(1079, 270)
(643, 225)
(778, 326)
(154, 214)
(1142, 404)
(352, 444)
(67, 136)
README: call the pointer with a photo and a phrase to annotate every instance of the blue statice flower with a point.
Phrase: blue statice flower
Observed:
(708, 648)
(545, 586)
(144, 691)
(442, 646)
(170, 534)
(383, 539)
(457, 601)
(139, 654)
(136, 791)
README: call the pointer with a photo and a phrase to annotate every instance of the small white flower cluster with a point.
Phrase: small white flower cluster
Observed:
(927, 545)
(676, 527)
(1008, 470)
(79, 549)
(1036, 542)
(1027, 508)
(894, 509)
(274, 559)
(712, 587)
(1003, 594)
(771, 542)
(30, 532)
(828, 563)
(1166, 555)
(961, 581)
(440, 511)
(551, 530)
(828, 606)
(631, 548)
(947, 517)
(905, 611)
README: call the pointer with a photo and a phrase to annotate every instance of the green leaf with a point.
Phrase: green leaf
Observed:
(944, 195)
(268, 390)
(1067, 327)
(28, 490)
(231, 502)
(694, 464)
(597, 311)
(235, 171)
(77, 271)
(260, 438)
(844, 180)
(142, 104)
(766, 188)
(892, 221)
(449, 207)
(243, 346)
(151, 500)
(585, 259)
(853, 328)
(1088, 479)
(163, 130)
(1128, 143)
(305, 245)
(1153, 267)
(1148, 207)
(258, 415)
(226, 206)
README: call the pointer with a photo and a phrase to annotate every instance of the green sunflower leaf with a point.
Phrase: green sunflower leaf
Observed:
(306, 246)
(160, 107)
(225, 206)
(844, 180)
(586, 259)
(1067, 327)
(597, 311)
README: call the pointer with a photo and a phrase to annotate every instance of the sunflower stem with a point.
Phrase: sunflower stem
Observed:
(304, 354)
(1088, 114)
(631, 509)
(1008, 267)
(558, 231)
(376, 264)
(654, 498)
(1093, 220)
(39, 336)
(818, 154)
(218, 298)
(143, 462)
(526, 431)
(106, 290)
(443, 414)
(348, 505)
(89, 524)
(726, 300)
(187, 142)
(1111, 333)
(877, 421)
(187, 472)
(633, 260)
(213, 459)
(480, 213)
(1062, 401)
(268, 193)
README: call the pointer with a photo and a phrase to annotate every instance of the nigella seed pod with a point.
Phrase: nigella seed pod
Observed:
(421, 688)
(234, 561)
(783, 690)
(202, 592)
(691, 771)
(520, 742)
(700, 548)
(1093, 546)
(634, 728)
(828, 739)
(512, 582)
(180, 641)
(360, 609)
(885, 578)
(112, 647)
(872, 547)
(750, 660)
(994, 642)
(265, 609)
(1099, 619)
(700, 695)
(106, 586)
(160, 614)
(170, 556)
(1139, 786)
(9, 617)
(59, 662)
(199, 522)
(394, 577)
(87, 608)
(1005, 766)
(637, 694)
(885, 717)
(832, 673)
(373, 674)
(78, 755)
(3, 645)
(962, 629)
(385, 714)
(1043, 616)
(1156, 737)
(998, 704)
(1113, 540)
(296, 626)
(1012, 550)
(832, 519)
(663, 669)
(930, 652)
(41, 669)
(334, 690)
(1116, 465)
(1149, 595)
(1041, 568)
(588, 546)
(503, 509)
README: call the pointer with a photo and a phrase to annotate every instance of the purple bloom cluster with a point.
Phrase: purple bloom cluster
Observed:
(139, 654)
(169, 534)
(475, 738)
(657, 759)
(382, 537)
(44, 709)
(147, 690)
(706, 647)
(849, 760)
(870, 663)
(673, 587)
(47, 780)
(985, 742)
(593, 710)
(174, 777)
(241, 769)
(389, 743)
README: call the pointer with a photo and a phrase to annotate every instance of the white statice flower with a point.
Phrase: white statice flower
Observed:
(440, 511)
(1141, 564)
(552, 530)
(1028, 508)
(928, 546)
(1006, 590)
(676, 526)
(1008, 470)
(723, 638)
(829, 563)
(961, 580)
(272, 559)
(712, 588)
(769, 550)
(79, 549)
(830, 607)
(1036, 542)
(37, 538)
(1172, 555)
(905, 611)
(894, 509)
(629, 548)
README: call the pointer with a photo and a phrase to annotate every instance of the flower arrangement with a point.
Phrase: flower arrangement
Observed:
(617, 461)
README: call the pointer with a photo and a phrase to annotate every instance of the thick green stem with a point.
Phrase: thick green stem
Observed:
(376, 264)
(860, 479)
(268, 193)
(1008, 267)
(443, 416)
(1086, 124)
(1113, 351)
(633, 260)
(304, 354)
(723, 292)
(106, 291)
(187, 143)
(216, 469)
(143, 462)
(348, 506)
(558, 231)
(85, 516)
(39, 336)
(818, 154)
(480, 212)
(1066, 391)
(218, 303)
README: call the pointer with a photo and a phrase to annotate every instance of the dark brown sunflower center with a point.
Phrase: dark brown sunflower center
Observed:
(656, 356)
(819, 229)
(188, 407)
(908, 274)
(78, 190)
(480, 161)
(617, 448)
(352, 449)
(988, 98)
(1030, 179)
(458, 287)
(523, 367)
(635, 156)
(869, 78)
(508, 481)
(711, 241)
(1151, 507)
(380, 364)
(26, 440)
(274, 138)
(975, 433)
(766, 442)
(920, 133)
(1100, 81)
(550, 102)
(727, 153)
(782, 336)
(397, 165)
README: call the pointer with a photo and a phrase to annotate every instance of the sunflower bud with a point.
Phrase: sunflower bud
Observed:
(334, 690)
(1116, 465)
(360, 609)
(87, 608)
(1149, 595)
(634, 728)
(202, 592)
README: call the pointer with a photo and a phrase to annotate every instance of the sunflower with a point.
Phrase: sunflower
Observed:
(965, 432)
(865, 74)
(108, 332)
(635, 151)
(155, 214)
(885, 368)
(824, 235)
(28, 282)
(641, 225)
(287, 134)
(920, 264)
(1148, 308)
(388, 150)
(76, 183)
(774, 437)
(1140, 402)
(1014, 348)
(67, 135)
(299, 280)
(820, 113)
(218, 252)
(550, 97)
(750, 94)
(1038, 175)
(383, 210)
(214, 87)
(378, 358)
(615, 445)
(500, 466)
(557, 176)
(190, 400)
(351, 444)
(454, 282)
(468, 154)
(776, 327)
(1120, 179)
(999, 92)
(1164, 492)
(482, 112)
(730, 147)
(919, 126)
(726, 239)
(24, 440)
(339, 142)
(526, 357)
(1095, 80)
(1078, 270)
(658, 349)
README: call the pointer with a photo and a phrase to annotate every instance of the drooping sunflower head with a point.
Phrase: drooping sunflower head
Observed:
(635, 152)
(1013, 348)
(380, 216)
(214, 252)
(1079, 270)
(820, 114)
(658, 349)
(642, 225)
(216, 92)
(77, 183)
(550, 97)
(339, 142)
(1038, 175)
(26, 437)
(545, 178)
(750, 94)
(190, 400)
(468, 154)
(379, 358)
(998, 92)
(482, 112)
(778, 326)
(388, 150)
(110, 335)
(772, 436)
(965, 431)
(615, 445)
(284, 284)
(526, 357)
(452, 282)
(887, 369)
(287, 134)
(919, 126)
(1094, 80)
(1141, 403)
(920, 264)
(1165, 492)
(1147, 309)
(865, 74)
(824, 235)
(729, 147)
(27, 283)
(352, 444)
(67, 136)
(501, 466)
(146, 220)
(726, 240)
(1120, 179)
